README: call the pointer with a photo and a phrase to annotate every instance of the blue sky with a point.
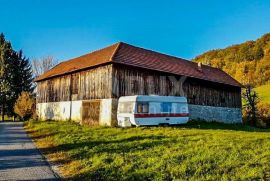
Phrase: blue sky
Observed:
(70, 28)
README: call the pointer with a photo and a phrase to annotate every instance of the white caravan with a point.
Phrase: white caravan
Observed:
(152, 110)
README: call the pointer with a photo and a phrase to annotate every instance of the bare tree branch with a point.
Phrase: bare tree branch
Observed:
(42, 65)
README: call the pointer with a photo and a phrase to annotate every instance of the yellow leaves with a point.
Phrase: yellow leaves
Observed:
(248, 62)
(24, 105)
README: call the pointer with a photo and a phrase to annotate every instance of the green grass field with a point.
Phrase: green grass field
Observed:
(196, 151)
(264, 93)
(6, 118)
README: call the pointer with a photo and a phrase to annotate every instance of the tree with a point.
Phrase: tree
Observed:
(250, 58)
(15, 76)
(21, 78)
(251, 99)
(5, 52)
(24, 106)
(42, 65)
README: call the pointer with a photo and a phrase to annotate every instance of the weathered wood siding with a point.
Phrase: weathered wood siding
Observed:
(113, 81)
(90, 84)
(54, 90)
(132, 81)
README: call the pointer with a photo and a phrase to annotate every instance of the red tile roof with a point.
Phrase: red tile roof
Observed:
(86, 61)
(122, 53)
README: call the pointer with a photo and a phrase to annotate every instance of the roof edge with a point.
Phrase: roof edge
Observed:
(115, 51)
(71, 72)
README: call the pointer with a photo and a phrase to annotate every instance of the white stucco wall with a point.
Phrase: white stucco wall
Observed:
(61, 111)
(105, 112)
(76, 114)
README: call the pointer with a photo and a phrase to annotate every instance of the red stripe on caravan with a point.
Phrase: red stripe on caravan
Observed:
(161, 115)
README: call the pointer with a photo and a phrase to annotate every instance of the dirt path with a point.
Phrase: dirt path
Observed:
(19, 158)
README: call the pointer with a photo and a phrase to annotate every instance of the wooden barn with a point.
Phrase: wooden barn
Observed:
(86, 89)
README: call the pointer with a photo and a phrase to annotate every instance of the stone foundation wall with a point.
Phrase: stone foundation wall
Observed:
(219, 114)
(108, 112)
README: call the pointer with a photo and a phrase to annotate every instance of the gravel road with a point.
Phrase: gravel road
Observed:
(19, 158)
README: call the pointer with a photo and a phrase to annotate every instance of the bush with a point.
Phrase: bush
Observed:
(262, 116)
(260, 123)
(264, 113)
(25, 106)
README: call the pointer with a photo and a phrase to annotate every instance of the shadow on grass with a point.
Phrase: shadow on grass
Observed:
(121, 147)
(33, 136)
(220, 126)
(134, 143)
(80, 149)
(118, 146)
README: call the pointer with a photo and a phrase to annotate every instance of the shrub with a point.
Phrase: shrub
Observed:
(260, 123)
(264, 113)
(24, 106)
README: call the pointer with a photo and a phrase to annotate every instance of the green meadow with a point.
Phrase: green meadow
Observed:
(264, 93)
(195, 151)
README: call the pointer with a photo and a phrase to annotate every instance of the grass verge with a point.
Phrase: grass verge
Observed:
(196, 151)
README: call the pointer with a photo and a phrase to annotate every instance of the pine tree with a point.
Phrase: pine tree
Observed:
(15, 76)
(21, 77)
(5, 52)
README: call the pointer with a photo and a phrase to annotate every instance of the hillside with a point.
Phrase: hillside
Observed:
(248, 62)
(264, 93)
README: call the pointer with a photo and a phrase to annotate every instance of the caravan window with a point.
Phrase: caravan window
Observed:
(142, 107)
(179, 108)
(125, 107)
(166, 107)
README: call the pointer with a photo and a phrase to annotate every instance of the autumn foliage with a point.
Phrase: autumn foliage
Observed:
(24, 106)
(264, 113)
(248, 62)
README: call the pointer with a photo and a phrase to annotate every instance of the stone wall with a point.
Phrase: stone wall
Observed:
(108, 112)
(219, 114)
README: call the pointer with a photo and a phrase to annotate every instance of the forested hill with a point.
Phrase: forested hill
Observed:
(248, 62)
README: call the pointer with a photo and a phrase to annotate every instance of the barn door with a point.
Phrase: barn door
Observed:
(91, 112)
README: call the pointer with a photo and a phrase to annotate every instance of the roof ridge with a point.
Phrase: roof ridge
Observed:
(154, 51)
(175, 57)
(172, 56)
(91, 52)
(115, 50)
